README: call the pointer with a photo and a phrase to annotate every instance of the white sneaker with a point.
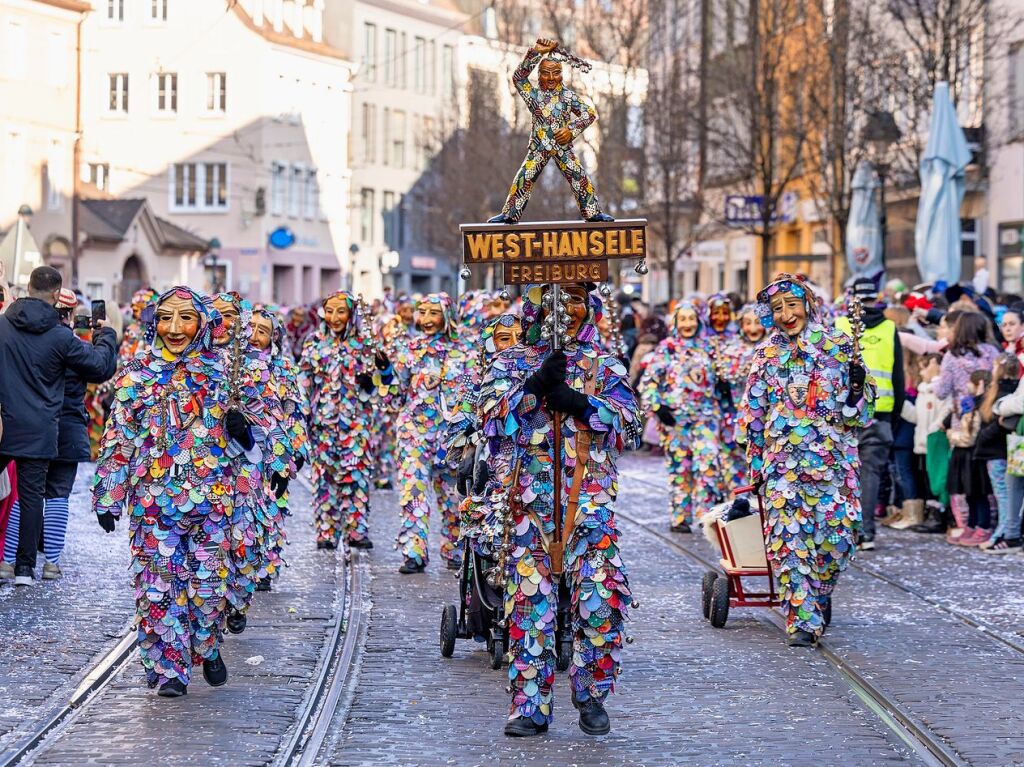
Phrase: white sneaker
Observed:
(24, 580)
(51, 572)
(866, 545)
(6, 571)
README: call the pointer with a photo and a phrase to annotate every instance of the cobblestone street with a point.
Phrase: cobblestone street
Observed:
(689, 693)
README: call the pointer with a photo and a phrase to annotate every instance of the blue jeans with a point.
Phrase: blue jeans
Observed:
(1015, 499)
(903, 469)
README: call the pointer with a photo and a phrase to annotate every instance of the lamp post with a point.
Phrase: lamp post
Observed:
(24, 216)
(212, 262)
(353, 252)
(880, 133)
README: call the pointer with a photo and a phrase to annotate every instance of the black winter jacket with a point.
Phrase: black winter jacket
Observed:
(35, 353)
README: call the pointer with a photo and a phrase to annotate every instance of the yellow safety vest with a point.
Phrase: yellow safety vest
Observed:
(879, 353)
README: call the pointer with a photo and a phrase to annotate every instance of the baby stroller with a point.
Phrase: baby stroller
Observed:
(478, 614)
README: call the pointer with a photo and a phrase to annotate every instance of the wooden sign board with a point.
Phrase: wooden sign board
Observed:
(553, 251)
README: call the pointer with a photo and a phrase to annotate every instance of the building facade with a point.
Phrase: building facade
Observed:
(231, 120)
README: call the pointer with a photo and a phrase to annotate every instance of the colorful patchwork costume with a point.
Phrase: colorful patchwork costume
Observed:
(679, 376)
(518, 430)
(340, 425)
(800, 420)
(164, 458)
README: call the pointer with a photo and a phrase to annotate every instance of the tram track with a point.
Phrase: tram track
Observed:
(301, 744)
(927, 746)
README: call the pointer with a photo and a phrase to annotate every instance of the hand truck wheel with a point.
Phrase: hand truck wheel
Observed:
(449, 630)
(497, 653)
(705, 592)
(719, 603)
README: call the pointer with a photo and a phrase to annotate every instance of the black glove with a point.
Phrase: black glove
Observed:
(564, 399)
(380, 359)
(858, 375)
(238, 429)
(299, 463)
(664, 415)
(106, 520)
(464, 474)
(483, 473)
(724, 392)
(365, 381)
(550, 375)
(278, 484)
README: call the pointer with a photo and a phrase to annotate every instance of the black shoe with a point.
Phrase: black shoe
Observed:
(453, 564)
(214, 671)
(173, 688)
(524, 727)
(501, 218)
(801, 639)
(236, 621)
(593, 717)
(330, 545)
(685, 529)
(264, 584)
(365, 543)
(412, 566)
(599, 218)
(321, 544)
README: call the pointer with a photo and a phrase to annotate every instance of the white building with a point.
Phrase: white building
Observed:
(407, 53)
(232, 120)
(1004, 124)
(37, 118)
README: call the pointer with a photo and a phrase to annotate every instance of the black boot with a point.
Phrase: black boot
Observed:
(321, 544)
(453, 564)
(501, 218)
(599, 218)
(364, 543)
(933, 523)
(264, 584)
(593, 717)
(236, 621)
(173, 688)
(801, 639)
(685, 529)
(524, 727)
(412, 566)
(214, 671)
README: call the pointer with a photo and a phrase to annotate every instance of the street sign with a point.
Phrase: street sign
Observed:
(554, 251)
(746, 210)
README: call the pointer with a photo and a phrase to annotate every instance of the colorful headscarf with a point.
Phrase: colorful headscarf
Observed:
(506, 320)
(244, 315)
(353, 320)
(450, 327)
(786, 283)
(141, 299)
(209, 321)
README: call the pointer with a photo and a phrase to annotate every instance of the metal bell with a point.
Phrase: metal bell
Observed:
(641, 268)
(605, 289)
(504, 295)
(546, 301)
(465, 273)
(629, 640)
(635, 604)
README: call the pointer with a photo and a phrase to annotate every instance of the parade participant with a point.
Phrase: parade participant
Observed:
(599, 417)
(736, 357)
(393, 332)
(559, 117)
(164, 457)
(680, 387)
(721, 334)
(253, 521)
(301, 322)
(806, 397)
(130, 344)
(341, 376)
(281, 385)
(427, 367)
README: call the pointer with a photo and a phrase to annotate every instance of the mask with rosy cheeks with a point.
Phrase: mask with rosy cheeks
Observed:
(550, 75)
(577, 308)
(720, 317)
(407, 312)
(687, 323)
(430, 318)
(262, 331)
(229, 316)
(177, 323)
(337, 314)
(789, 313)
(506, 338)
(297, 316)
(752, 328)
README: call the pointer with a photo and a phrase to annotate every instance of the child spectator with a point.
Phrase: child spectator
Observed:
(968, 482)
(991, 447)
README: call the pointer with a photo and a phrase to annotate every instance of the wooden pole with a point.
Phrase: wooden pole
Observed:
(556, 425)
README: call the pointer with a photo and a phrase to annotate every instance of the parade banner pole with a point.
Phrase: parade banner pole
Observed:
(555, 550)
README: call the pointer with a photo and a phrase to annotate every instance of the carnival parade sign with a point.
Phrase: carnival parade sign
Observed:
(553, 252)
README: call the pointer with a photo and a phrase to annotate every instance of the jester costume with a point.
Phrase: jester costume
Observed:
(164, 457)
(800, 420)
(518, 429)
(393, 332)
(284, 386)
(340, 422)
(721, 345)
(427, 367)
(552, 109)
(254, 521)
(679, 377)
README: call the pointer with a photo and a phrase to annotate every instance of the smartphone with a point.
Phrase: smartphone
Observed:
(99, 310)
(82, 322)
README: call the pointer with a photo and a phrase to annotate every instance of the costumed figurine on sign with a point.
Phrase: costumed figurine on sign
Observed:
(559, 117)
